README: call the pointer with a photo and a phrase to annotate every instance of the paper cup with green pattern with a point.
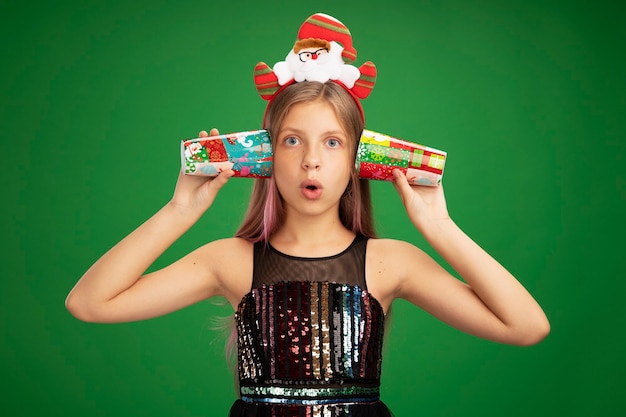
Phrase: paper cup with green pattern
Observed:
(378, 154)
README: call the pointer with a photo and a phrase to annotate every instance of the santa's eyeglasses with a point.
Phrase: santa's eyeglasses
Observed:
(307, 55)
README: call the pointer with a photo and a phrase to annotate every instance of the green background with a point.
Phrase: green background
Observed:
(527, 98)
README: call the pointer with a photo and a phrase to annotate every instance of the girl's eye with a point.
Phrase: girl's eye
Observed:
(292, 141)
(333, 143)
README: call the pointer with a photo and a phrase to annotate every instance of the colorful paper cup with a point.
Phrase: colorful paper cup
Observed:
(378, 154)
(249, 154)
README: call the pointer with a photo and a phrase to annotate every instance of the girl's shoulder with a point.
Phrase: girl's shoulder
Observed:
(385, 248)
(227, 250)
(235, 244)
(231, 260)
(388, 262)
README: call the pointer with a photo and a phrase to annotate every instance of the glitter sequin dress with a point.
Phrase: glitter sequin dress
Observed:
(309, 337)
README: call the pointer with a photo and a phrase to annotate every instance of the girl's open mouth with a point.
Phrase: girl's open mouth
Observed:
(311, 189)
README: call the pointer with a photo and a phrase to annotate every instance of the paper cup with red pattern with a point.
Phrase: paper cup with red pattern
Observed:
(378, 154)
(249, 154)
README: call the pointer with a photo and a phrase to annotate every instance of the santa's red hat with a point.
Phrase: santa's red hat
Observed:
(323, 26)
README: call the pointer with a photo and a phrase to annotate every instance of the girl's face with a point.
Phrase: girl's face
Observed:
(312, 159)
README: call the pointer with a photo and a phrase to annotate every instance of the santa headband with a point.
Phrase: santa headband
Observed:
(323, 51)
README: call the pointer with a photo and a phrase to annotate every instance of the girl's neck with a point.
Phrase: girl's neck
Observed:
(305, 236)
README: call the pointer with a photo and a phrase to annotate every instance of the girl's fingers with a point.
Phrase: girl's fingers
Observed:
(212, 132)
(400, 182)
(222, 178)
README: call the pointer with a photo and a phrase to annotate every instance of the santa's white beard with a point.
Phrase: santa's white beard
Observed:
(326, 67)
(322, 69)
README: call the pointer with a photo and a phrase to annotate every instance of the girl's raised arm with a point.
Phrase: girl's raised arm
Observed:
(113, 289)
(491, 303)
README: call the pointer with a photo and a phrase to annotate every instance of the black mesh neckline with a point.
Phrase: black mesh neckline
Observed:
(346, 267)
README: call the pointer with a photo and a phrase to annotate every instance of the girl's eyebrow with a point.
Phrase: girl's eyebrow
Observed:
(297, 131)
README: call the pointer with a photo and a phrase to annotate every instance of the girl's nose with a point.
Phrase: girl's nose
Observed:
(311, 164)
(311, 160)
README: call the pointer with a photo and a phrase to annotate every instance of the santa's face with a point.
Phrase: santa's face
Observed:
(311, 54)
(316, 63)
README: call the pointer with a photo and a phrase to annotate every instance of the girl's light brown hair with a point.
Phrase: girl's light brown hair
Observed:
(266, 212)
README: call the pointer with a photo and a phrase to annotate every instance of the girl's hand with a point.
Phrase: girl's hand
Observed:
(197, 193)
(424, 204)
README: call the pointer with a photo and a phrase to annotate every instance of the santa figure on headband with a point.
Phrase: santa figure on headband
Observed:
(314, 59)
(323, 51)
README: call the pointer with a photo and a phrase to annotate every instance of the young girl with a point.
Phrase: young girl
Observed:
(308, 280)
